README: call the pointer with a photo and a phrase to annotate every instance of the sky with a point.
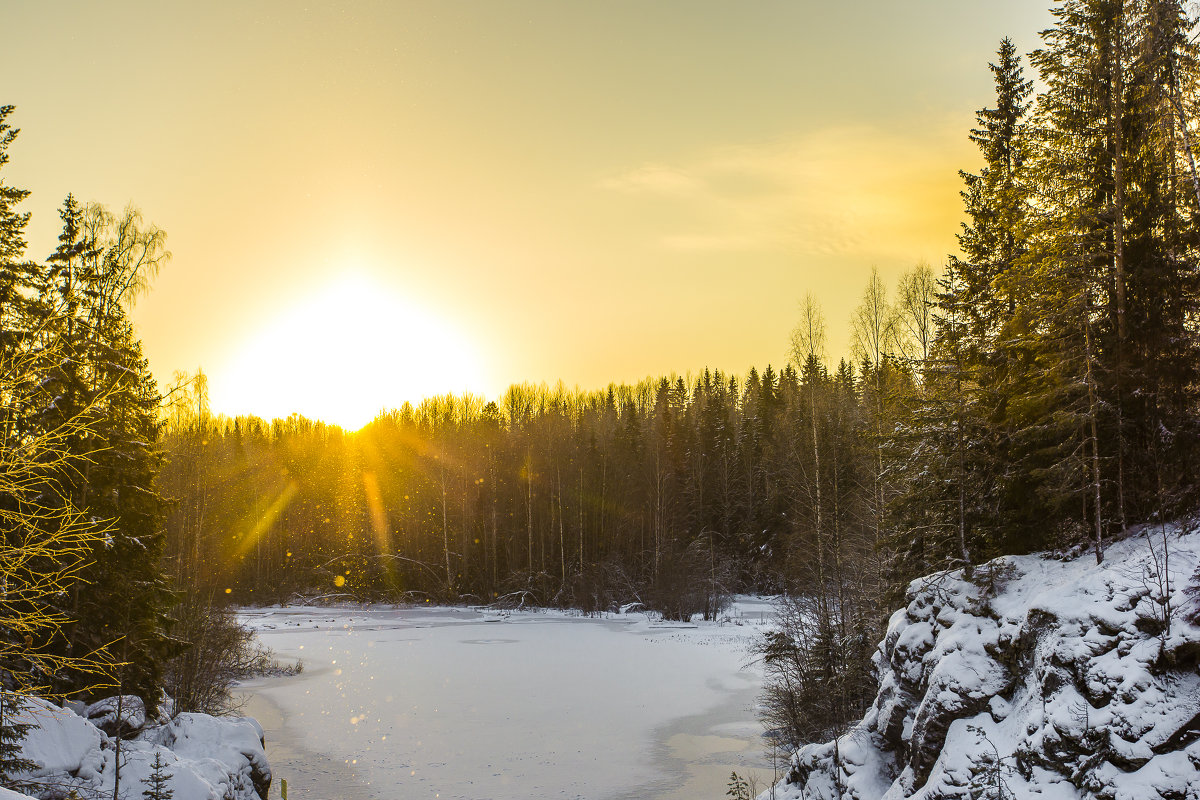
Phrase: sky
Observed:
(371, 202)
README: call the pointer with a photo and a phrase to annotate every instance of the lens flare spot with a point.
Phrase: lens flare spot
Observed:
(339, 581)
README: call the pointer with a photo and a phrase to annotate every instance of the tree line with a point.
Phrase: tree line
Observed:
(673, 492)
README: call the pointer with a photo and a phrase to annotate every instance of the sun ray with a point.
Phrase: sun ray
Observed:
(267, 519)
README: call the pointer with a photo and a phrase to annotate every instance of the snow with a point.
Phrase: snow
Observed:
(208, 758)
(103, 714)
(476, 703)
(61, 742)
(1051, 680)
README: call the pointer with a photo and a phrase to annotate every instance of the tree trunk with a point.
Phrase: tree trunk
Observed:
(1093, 411)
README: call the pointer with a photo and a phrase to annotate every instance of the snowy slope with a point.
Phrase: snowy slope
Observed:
(1041, 678)
(208, 758)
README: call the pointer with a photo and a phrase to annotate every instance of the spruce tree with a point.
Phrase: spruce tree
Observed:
(996, 201)
(44, 537)
(981, 313)
(1159, 356)
(16, 274)
(97, 270)
(158, 782)
(943, 450)
(12, 732)
(1108, 400)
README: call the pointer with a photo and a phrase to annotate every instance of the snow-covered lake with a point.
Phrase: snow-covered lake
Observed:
(471, 704)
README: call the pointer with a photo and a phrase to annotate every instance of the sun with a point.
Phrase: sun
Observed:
(352, 349)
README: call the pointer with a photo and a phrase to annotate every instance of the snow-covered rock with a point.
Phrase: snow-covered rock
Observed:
(1038, 678)
(208, 758)
(103, 714)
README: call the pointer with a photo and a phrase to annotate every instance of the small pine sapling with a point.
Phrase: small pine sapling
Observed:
(988, 775)
(739, 789)
(12, 763)
(1192, 591)
(1156, 578)
(158, 786)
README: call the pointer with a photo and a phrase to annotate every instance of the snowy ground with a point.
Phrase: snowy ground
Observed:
(474, 705)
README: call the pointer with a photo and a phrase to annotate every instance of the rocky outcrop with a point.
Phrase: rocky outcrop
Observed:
(104, 714)
(1038, 677)
(207, 758)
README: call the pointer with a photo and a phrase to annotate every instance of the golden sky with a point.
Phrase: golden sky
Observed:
(462, 195)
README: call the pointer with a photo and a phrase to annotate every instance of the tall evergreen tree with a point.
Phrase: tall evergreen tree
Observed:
(1109, 263)
(1077, 258)
(1158, 356)
(98, 268)
(16, 274)
(984, 308)
(996, 201)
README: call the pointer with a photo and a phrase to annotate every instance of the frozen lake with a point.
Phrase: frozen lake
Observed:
(399, 703)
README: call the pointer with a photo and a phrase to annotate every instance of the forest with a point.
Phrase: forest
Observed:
(1037, 392)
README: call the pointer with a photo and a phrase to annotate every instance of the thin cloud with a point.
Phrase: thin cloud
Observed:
(654, 179)
(838, 191)
(707, 242)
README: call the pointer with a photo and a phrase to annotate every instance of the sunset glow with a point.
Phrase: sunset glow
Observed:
(609, 191)
(345, 353)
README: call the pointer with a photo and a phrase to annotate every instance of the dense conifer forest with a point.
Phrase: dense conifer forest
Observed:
(1039, 391)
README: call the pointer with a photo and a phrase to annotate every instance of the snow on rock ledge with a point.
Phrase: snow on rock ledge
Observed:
(208, 758)
(1040, 678)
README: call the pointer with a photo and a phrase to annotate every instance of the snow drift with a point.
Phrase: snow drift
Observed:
(1038, 677)
(207, 758)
